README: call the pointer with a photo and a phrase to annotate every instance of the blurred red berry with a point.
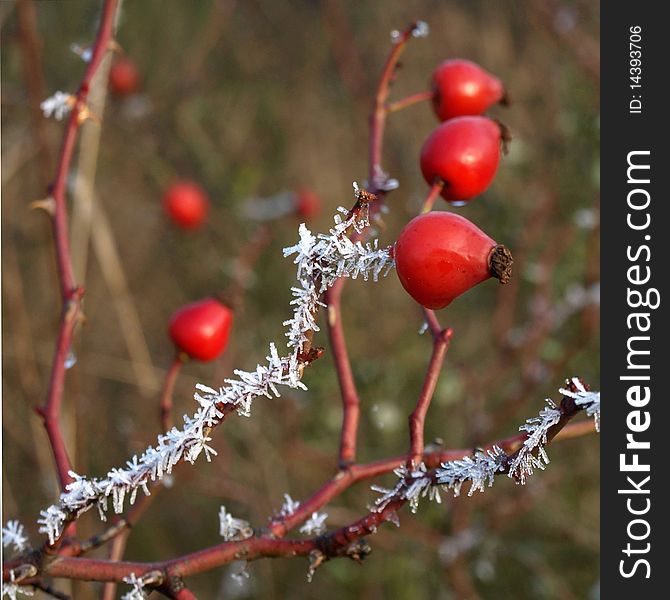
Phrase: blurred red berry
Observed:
(201, 329)
(441, 255)
(124, 78)
(186, 203)
(464, 153)
(307, 204)
(463, 88)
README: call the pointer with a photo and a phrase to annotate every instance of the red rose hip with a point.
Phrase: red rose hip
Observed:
(201, 329)
(307, 204)
(124, 78)
(441, 255)
(186, 204)
(464, 153)
(462, 87)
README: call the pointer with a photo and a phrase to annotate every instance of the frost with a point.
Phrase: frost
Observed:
(232, 529)
(58, 105)
(525, 462)
(13, 535)
(138, 592)
(412, 486)
(241, 577)
(320, 260)
(589, 400)
(12, 590)
(315, 525)
(421, 29)
(289, 507)
(84, 53)
(479, 469)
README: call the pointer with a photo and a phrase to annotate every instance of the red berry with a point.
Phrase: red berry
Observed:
(186, 203)
(464, 153)
(440, 255)
(201, 329)
(124, 78)
(307, 204)
(463, 88)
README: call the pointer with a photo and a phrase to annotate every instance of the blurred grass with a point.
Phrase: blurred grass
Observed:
(269, 97)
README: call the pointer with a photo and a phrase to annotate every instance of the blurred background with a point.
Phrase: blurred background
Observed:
(254, 100)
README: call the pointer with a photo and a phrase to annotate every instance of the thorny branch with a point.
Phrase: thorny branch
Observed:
(71, 294)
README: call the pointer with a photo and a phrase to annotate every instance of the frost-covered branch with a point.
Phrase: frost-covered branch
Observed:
(321, 259)
(481, 468)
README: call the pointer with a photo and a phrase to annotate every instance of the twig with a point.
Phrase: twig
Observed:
(433, 194)
(379, 110)
(345, 376)
(418, 417)
(70, 292)
(409, 100)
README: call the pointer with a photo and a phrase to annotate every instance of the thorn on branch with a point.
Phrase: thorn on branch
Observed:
(48, 205)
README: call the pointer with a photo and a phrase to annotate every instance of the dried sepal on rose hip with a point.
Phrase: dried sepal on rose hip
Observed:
(461, 87)
(441, 255)
(464, 154)
(187, 204)
(201, 329)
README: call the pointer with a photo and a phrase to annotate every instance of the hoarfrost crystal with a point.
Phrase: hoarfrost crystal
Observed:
(13, 535)
(289, 507)
(58, 105)
(589, 400)
(525, 462)
(12, 590)
(232, 529)
(315, 525)
(138, 592)
(480, 469)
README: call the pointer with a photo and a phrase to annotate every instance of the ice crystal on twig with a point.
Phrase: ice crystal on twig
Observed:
(526, 461)
(58, 105)
(241, 577)
(85, 53)
(320, 260)
(12, 590)
(420, 30)
(289, 507)
(479, 469)
(13, 535)
(138, 592)
(412, 486)
(585, 398)
(232, 529)
(315, 525)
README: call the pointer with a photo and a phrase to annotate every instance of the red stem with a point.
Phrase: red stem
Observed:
(379, 110)
(409, 100)
(71, 294)
(417, 419)
(433, 194)
(345, 376)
